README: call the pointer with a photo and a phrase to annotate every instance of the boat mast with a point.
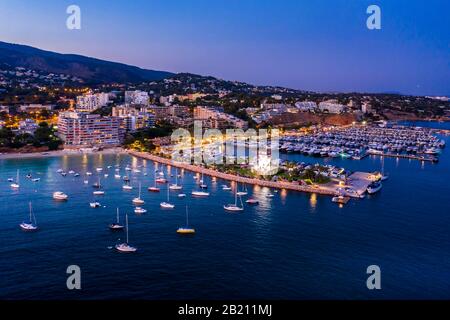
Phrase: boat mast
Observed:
(117, 218)
(187, 217)
(29, 205)
(126, 218)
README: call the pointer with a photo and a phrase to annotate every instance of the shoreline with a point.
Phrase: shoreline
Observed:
(58, 153)
(323, 190)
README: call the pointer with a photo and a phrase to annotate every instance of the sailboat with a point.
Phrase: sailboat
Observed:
(16, 185)
(383, 175)
(167, 205)
(175, 186)
(125, 247)
(127, 186)
(234, 207)
(202, 184)
(186, 229)
(116, 226)
(226, 188)
(242, 193)
(140, 210)
(138, 200)
(154, 188)
(32, 225)
(97, 185)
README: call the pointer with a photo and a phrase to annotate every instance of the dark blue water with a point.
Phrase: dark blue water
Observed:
(292, 246)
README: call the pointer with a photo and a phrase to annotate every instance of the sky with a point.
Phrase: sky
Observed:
(321, 45)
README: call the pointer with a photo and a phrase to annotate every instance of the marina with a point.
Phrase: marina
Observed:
(279, 231)
(356, 142)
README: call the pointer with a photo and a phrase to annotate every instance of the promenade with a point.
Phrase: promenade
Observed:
(329, 190)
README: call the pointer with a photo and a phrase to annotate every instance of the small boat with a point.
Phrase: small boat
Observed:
(252, 201)
(71, 172)
(175, 186)
(226, 188)
(99, 169)
(200, 194)
(28, 176)
(95, 205)
(138, 201)
(186, 229)
(97, 185)
(243, 192)
(126, 179)
(61, 196)
(125, 247)
(116, 226)
(154, 188)
(182, 195)
(139, 210)
(31, 225)
(109, 167)
(340, 199)
(16, 185)
(10, 179)
(106, 175)
(76, 175)
(117, 176)
(127, 187)
(161, 180)
(86, 181)
(64, 173)
(234, 207)
(36, 179)
(167, 205)
(98, 193)
(374, 187)
(89, 173)
(59, 170)
(270, 195)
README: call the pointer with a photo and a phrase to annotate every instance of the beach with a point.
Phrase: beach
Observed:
(58, 153)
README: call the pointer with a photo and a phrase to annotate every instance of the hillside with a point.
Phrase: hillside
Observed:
(90, 70)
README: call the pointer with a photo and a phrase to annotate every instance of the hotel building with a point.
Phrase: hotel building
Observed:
(82, 129)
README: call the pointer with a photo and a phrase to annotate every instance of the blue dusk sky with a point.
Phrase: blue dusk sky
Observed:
(312, 45)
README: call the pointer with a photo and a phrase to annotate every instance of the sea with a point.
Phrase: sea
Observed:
(291, 246)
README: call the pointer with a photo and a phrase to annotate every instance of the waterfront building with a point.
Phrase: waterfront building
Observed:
(331, 106)
(134, 118)
(91, 102)
(83, 129)
(306, 106)
(179, 111)
(136, 97)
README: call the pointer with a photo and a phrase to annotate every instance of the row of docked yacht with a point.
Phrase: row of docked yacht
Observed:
(354, 142)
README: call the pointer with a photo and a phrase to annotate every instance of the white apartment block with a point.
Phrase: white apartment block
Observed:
(92, 102)
(136, 97)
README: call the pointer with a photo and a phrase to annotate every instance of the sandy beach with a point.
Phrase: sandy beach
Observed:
(58, 153)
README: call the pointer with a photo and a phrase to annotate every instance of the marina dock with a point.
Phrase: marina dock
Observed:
(328, 189)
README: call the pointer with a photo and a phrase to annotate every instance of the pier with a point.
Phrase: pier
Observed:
(328, 189)
(405, 156)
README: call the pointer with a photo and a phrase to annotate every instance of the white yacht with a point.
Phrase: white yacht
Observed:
(31, 225)
(116, 226)
(138, 201)
(234, 207)
(98, 193)
(200, 194)
(139, 210)
(61, 196)
(16, 185)
(167, 205)
(125, 247)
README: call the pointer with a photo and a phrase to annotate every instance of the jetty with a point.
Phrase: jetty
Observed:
(327, 189)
